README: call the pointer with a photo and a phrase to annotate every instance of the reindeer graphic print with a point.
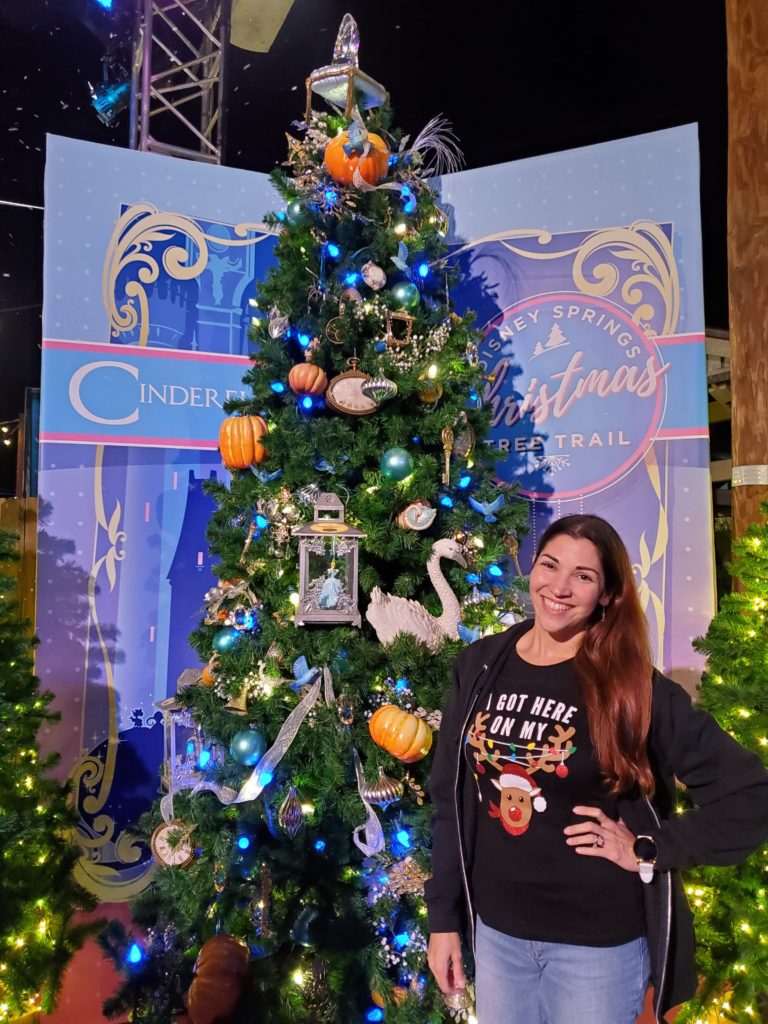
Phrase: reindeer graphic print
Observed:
(520, 796)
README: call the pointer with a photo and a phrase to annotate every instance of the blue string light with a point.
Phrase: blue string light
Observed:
(375, 1014)
(277, 386)
(304, 340)
(472, 578)
(135, 954)
(351, 279)
(261, 521)
(319, 845)
(494, 570)
(280, 215)
(400, 685)
(402, 940)
(306, 403)
(333, 250)
(205, 758)
(446, 501)
(243, 842)
(403, 838)
(464, 481)
(331, 196)
(265, 778)
(423, 270)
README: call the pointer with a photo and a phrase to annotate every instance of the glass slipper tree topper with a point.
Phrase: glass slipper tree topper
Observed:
(328, 566)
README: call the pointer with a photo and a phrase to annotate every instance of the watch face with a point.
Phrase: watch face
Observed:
(176, 854)
(645, 848)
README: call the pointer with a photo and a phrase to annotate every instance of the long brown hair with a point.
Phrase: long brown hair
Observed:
(614, 663)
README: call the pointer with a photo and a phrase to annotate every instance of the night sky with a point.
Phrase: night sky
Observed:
(517, 78)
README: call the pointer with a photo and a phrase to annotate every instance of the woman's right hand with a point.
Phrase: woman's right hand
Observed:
(444, 958)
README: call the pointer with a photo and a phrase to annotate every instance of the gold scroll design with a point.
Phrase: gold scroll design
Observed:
(636, 269)
(651, 556)
(93, 774)
(137, 231)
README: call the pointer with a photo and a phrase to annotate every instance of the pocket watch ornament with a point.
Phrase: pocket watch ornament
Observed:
(171, 844)
(345, 393)
(373, 276)
(328, 566)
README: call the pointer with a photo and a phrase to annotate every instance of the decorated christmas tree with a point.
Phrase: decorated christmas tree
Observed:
(731, 904)
(362, 542)
(37, 933)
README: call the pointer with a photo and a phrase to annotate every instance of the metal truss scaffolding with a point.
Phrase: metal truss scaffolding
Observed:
(178, 76)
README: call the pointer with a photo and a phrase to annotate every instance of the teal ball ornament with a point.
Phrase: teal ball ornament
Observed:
(247, 747)
(406, 295)
(396, 464)
(296, 213)
(226, 639)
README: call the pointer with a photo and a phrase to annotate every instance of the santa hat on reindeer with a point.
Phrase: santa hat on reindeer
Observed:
(514, 775)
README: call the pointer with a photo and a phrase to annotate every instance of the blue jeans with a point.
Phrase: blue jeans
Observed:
(522, 982)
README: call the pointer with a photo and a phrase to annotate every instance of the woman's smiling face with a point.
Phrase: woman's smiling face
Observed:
(567, 584)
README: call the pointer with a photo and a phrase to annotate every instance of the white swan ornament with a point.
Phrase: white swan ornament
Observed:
(390, 615)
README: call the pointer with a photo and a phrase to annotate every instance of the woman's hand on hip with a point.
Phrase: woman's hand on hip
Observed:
(602, 837)
(444, 958)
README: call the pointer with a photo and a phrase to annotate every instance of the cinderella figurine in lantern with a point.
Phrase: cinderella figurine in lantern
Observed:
(328, 553)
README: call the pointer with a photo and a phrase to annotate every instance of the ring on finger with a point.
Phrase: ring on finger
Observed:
(599, 841)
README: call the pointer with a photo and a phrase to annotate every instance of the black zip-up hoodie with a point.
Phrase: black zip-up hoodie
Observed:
(727, 784)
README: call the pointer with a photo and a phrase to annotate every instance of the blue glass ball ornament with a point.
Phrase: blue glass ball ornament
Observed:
(226, 639)
(247, 747)
(396, 464)
(406, 295)
(296, 213)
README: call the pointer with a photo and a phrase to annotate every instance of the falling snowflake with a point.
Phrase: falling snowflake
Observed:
(553, 463)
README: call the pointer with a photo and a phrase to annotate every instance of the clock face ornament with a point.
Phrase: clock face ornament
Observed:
(174, 854)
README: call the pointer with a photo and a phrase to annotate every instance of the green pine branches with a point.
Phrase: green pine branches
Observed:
(37, 934)
(731, 904)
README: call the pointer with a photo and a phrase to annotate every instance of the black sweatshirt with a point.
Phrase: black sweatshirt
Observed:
(727, 783)
(532, 761)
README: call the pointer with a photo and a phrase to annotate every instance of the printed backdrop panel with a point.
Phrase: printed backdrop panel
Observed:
(592, 336)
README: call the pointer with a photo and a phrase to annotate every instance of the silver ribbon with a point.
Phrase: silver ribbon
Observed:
(252, 787)
(374, 834)
(330, 696)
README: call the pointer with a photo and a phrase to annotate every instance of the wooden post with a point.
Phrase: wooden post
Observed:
(747, 28)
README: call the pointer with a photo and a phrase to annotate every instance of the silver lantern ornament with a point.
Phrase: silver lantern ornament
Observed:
(328, 566)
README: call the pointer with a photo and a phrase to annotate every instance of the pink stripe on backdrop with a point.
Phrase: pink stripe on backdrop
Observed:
(123, 441)
(680, 339)
(682, 432)
(140, 350)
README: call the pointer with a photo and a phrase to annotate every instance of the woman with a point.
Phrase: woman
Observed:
(555, 837)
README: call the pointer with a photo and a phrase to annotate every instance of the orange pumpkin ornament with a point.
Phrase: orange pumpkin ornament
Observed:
(341, 167)
(240, 441)
(207, 677)
(307, 379)
(220, 972)
(400, 733)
